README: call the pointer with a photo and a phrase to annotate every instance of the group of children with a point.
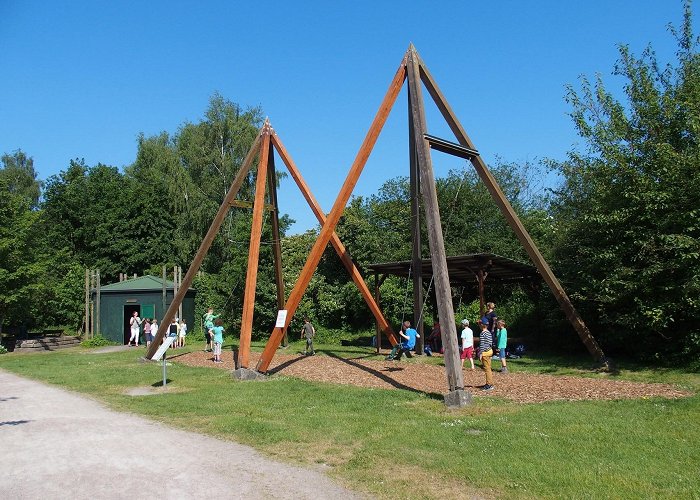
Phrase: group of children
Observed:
(150, 329)
(492, 335)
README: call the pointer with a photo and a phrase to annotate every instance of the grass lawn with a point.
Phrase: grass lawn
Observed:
(399, 444)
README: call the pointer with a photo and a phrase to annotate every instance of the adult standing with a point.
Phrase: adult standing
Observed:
(135, 327)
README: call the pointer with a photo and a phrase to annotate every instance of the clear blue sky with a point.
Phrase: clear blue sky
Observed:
(82, 79)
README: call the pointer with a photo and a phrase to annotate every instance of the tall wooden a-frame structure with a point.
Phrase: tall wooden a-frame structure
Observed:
(414, 70)
(263, 148)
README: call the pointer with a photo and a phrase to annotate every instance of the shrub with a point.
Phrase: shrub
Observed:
(97, 341)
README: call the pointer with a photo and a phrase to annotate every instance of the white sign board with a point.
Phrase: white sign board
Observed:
(167, 342)
(281, 318)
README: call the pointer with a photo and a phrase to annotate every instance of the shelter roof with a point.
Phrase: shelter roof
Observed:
(463, 269)
(142, 283)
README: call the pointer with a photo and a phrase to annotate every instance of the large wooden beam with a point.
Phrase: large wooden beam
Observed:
(204, 246)
(443, 292)
(340, 249)
(511, 217)
(276, 236)
(416, 244)
(251, 279)
(334, 215)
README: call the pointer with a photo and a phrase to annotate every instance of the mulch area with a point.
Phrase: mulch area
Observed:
(415, 375)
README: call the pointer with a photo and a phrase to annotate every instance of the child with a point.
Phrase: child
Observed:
(218, 333)
(467, 343)
(409, 336)
(501, 341)
(147, 330)
(183, 332)
(485, 353)
(154, 329)
(209, 318)
(308, 331)
(172, 332)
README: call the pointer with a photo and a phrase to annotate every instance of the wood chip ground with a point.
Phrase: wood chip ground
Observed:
(414, 375)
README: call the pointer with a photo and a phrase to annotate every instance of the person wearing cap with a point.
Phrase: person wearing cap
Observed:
(467, 344)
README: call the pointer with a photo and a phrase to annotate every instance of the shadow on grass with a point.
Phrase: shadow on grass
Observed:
(381, 376)
(160, 383)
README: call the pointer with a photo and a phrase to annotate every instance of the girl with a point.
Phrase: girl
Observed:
(183, 332)
(218, 333)
(501, 342)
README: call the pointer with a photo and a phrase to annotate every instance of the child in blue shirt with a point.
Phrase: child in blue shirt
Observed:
(218, 334)
(501, 342)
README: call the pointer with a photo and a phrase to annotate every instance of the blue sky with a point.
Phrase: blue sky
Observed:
(83, 79)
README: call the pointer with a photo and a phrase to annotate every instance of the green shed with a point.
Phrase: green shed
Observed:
(147, 296)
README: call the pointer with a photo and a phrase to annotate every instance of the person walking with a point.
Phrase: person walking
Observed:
(467, 344)
(308, 331)
(135, 328)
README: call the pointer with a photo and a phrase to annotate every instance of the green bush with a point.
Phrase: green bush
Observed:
(97, 341)
(3, 350)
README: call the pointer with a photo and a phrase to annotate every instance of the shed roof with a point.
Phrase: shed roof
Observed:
(463, 269)
(142, 283)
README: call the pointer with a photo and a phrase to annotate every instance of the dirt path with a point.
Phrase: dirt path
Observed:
(430, 379)
(56, 444)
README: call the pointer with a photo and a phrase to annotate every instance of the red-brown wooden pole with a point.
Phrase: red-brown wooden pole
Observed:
(512, 218)
(204, 247)
(335, 241)
(276, 237)
(251, 279)
(443, 291)
(334, 216)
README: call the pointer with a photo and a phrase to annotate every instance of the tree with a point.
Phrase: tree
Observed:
(19, 177)
(627, 211)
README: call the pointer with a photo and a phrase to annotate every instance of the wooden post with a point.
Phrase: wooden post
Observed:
(416, 252)
(511, 217)
(378, 332)
(86, 330)
(204, 246)
(438, 258)
(340, 249)
(334, 216)
(276, 237)
(164, 295)
(179, 285)
(480, 279)
(254, 250)
(98, 302)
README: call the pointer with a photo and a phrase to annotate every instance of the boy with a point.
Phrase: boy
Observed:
(409, 336)
(501, 342)
(467, 343)
(218, 333)
(308, 331)
(485, 353)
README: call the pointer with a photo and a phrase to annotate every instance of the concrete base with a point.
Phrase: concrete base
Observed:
(458, 398)
(246, 374)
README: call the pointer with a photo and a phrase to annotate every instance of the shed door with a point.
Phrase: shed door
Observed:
(148, 311)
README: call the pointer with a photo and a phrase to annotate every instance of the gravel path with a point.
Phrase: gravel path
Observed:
(56, 444)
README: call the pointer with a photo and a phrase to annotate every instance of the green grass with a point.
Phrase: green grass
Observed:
(399, 444)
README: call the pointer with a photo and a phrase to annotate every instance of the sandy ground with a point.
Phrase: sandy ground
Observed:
(56, 444)
(414, 375)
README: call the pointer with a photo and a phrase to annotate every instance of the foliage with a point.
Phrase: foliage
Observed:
(97, 341)
(627, 240)
(3, 349)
